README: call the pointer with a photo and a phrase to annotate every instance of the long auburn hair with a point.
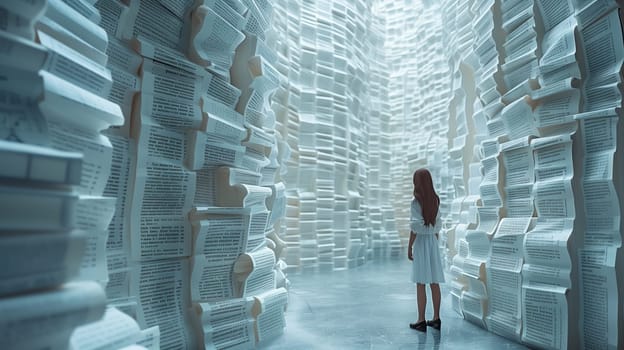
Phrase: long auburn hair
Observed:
(425, 195)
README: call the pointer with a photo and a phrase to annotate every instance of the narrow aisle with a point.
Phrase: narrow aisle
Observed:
(370, 307)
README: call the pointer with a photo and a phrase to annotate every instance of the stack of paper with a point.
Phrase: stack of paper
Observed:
(552, 273)
(285, 106)
(504, 273)
(150, 233)
(39, 215)
(268, 311)
(599, 268)
(488, 42)
(163, 185)
(402, 80)
(227, 324)
(600, 132)
(549, 275)
(466, 237)
(238, 199)
(325, 186)
(55, 91)
(124, 64)
(339, 131)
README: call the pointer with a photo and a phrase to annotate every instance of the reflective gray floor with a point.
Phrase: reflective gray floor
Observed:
(370, 307)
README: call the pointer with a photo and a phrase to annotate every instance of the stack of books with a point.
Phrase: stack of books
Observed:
(58, 98)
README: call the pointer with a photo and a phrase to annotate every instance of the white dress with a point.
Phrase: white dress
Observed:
(427, 264)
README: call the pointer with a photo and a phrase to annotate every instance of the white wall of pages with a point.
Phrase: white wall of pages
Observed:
(164, 163)
(515, 106)
(332, 109)
(140, 180)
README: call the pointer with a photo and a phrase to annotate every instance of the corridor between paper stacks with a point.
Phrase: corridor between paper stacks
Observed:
(370, 308)
(236, 174)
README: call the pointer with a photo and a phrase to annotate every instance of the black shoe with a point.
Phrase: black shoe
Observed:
(420, 326)
(435, 324)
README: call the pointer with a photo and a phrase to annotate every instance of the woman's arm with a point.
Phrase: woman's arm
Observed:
(411, 243)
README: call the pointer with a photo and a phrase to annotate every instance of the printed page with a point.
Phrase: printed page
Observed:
(150, 19)
(559, 46)
(232, 131)
(257, 230)
(170, 112)
(518, 119)
(221, 90)
(163, 296)
(59, 12)
(122, 56)
(119, 269)
(113, 15)
(237, 334)
(490, 192)
(63, 34)
(181, 8)
(599, 132)
(225, 312)
(93, 215)
(160, 78)
(599, 292)
(169, 57)
(604, 54)
(125, 87)
(210, 280)
(504, 271)
(77, 69)
(212, 36)
(162, 198)
(545, 320)
(553, 13)
(269, 311)
(518, 161)
(160, 143)
(252, 272)
(118, 186)
(488, 219)
(97, 154)
(547, 244)
(479, 245)
(220, 235)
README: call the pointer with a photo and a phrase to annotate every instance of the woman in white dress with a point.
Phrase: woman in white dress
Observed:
(423, 249)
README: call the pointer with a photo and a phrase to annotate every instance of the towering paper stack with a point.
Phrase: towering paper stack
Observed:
(536, 65)
(338, 211)
(414, 78)
(238, 202)
(56, 91)
(556, 185)
(162, 183)
(601, 262)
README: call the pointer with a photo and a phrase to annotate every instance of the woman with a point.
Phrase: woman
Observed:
(423, 248)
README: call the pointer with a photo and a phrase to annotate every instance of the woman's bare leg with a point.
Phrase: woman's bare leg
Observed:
(421, 296)
(436, 296)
